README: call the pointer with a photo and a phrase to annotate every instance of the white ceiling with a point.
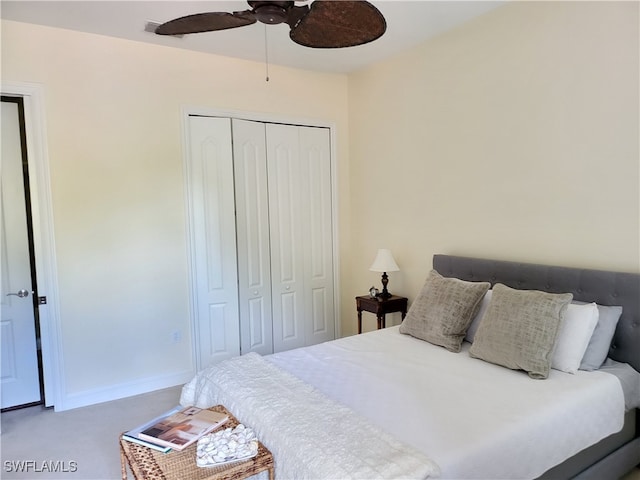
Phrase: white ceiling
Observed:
(408, 23)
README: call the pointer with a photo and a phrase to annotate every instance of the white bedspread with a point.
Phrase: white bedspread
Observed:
(311, 436)
(474, 419)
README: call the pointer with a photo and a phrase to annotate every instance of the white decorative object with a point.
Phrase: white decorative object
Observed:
(226, 446)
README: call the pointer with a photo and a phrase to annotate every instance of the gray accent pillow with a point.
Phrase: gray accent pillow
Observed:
(443, 310)
(598, 347)
(520, 328)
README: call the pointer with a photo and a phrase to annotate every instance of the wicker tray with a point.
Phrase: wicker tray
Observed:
(148, 464)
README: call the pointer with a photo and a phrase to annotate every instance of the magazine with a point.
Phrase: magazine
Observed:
(180, 427)
(133, 435)
(144, 443)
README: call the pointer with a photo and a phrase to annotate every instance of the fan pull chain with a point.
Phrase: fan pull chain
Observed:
(266, 53)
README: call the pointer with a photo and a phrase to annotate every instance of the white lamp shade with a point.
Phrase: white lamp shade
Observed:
(384, 262)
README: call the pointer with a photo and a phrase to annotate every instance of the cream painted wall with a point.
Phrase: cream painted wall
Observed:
(113, 114)
(512, 137)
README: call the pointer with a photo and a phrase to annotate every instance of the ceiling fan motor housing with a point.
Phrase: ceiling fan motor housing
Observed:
(271, 13)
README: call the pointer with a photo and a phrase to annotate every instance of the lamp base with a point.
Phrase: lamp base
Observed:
(385, 281)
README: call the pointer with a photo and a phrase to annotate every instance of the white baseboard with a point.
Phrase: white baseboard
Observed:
(115, 392)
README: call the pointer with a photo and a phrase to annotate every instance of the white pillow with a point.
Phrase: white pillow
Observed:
(576, 329)
(475, 323)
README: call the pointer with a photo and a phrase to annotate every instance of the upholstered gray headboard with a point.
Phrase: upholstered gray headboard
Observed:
(602, 287)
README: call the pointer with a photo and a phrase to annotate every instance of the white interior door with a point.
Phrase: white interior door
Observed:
(252, 223)
(261, 217)
(20, 375)
(212, 208)
(317, 230)
(287, 269)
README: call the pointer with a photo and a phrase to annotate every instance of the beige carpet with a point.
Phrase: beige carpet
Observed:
(81, 444)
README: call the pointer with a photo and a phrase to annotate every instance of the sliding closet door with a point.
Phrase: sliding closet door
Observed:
(214, 269)
(316, 205)
(287, 267)
(252, 223)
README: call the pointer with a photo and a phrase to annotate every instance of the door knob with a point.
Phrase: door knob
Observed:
(21, 293)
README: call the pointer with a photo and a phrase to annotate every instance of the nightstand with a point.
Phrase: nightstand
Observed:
(380, 307)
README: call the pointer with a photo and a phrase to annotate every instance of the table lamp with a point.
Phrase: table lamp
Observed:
(384, 263)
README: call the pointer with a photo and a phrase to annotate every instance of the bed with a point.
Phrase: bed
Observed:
(403, 403)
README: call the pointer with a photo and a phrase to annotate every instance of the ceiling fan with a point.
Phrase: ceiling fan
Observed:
(323, 24)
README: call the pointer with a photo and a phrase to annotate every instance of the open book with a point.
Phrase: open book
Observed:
(180, 429)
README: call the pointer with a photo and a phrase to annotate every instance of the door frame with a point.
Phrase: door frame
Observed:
(43, 235)
(186, 111)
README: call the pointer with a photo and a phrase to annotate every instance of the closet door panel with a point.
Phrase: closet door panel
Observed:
(287, 269)
(252, 223)
(316, 203)
(211, 193)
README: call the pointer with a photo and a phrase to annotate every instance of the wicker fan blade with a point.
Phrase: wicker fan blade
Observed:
(206, 22)
(295, 14)
(338, 24)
